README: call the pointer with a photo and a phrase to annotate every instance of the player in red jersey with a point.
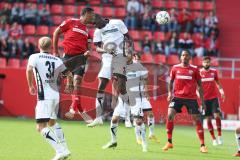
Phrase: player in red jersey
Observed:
(185, 79)
(76, 44)
(211, 87)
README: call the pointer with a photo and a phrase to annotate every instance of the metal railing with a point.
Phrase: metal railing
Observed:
(232, 68)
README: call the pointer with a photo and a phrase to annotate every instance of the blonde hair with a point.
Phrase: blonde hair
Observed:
(44, 43)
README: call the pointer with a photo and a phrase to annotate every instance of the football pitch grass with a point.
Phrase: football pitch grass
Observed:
(19, 140)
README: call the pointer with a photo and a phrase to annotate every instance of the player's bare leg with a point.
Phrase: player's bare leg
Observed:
(217, 117)
(151, 124)
(141, 130)
(200, 132)
(99, 102)
(237, 135)
(169, 128)
(211, 130)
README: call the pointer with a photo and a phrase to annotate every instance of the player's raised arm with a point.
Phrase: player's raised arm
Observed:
(56, 35)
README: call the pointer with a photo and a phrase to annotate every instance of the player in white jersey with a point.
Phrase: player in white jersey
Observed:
(143, 98)
(46, 69)
(111, 36)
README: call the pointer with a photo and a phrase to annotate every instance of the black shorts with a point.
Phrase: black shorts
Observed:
(191, 105)
(212, 106)
(76, 64)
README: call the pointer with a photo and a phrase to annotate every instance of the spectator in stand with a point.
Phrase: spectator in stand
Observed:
(44, 17)
(173, 24)
(17, 13)
(210, 20)
(4, 35)
(158, 47)
(186, 43)
(15, 35)
(153, 23)
(5, 13)
(30, 14)
(107, 1)
(146, 21)
(28, 48)
(212, 45)
(171, 46)
(214, 29)
(199, 24)
(12, 50)
(146, 45)
(131, 19)
(199, 49)
(185, 21)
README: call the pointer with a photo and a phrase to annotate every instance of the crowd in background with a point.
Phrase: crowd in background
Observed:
(197, 34)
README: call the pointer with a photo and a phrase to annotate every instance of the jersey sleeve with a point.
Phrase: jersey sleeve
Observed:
(172, 74)
(97, 36)
(65, 25)
(122, 27)
(32, 61)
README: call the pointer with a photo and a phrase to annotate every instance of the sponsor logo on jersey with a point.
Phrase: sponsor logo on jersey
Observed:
(80, 31)
(110, 31)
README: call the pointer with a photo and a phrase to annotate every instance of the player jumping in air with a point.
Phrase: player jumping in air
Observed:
(211, 86)
(47, 69)
(185, 79)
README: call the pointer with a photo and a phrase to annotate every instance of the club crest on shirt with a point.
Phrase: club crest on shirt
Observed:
(212, 74)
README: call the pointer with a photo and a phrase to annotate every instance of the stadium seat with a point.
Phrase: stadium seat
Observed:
(160, 58)
(97, 9)
(94, 2)
(79, 9)
(120, 12)
(69, 1)
(170, 4)
(3, 62)
(40, 6)
(69, 10)
(24, 63)
(144, 33)
(42, 30)
(14, 63)
(208, 6)
(107, 12)
(196, 5)
(195, 14)
(214, 62)
(159, 36)
(183, 4)
(56, 9)
(137, 46)
(147, 58)
(172, 60)
(134, 34)
(121, 3)
(32, 1)
(57, 20)
(197, 61)
(157, 3)
(29, 29)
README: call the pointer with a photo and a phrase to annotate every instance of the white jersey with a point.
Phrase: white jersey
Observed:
(106, 60)
(46, 71)
(111, 34)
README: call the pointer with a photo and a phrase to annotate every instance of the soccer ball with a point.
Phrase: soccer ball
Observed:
(162, 17)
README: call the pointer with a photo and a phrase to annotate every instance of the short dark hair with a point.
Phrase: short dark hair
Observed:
(186, 50)
(206, 58)
(136, 54)
(86, 10)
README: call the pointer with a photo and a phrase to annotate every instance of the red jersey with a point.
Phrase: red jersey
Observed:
(185, 81)
(75, 37)
(209, 77)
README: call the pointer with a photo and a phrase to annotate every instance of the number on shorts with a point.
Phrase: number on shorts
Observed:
(171, 104)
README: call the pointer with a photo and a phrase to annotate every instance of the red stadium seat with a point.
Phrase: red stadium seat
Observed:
(56, 9)
(214, 62)
(145, 33)
(147, 58)
(137, 46)
(183, 4)
(42, 30)
(94, 2)
(195, 14)
(171, 4)
(157, 3)
(208, 6)
(160, 58)
(197, 61)
(172, 60)
(14, 63)
(159, 36)
(79, 9)
(69, 10)
(57, 20)
(107, 12)
(120, 3)
(3, 62)
(97, 9)
(120, 12)
(24, 63)
(29, 29)
(134, 34)
(196, 5)
(40, 6)
(69, 1)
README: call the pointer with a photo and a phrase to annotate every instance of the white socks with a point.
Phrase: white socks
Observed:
(52, 139)
(99, 105)
(138, 132)
(151, 125)
(60, 135)
(113, 131)
(143, 134)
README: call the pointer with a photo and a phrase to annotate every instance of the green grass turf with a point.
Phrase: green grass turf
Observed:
(20, 141)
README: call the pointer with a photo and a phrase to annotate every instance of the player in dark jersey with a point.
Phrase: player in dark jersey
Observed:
(185, 79)
(211, 89)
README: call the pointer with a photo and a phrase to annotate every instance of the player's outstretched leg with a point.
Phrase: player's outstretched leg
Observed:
(219, 128)
(143, 136)
(128, 123)
(151, 124)
(237, 135)
(211, 130)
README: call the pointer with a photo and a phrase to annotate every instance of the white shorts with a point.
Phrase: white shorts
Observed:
(46, 109)
(140, 106)
(105, 72)
(119, 63)
(121, 109)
